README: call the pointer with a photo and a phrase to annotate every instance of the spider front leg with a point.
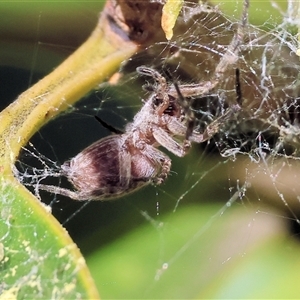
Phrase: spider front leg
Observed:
(160, 161)
(228, 60)
(214, 126)
(167, 141)
(180, 129)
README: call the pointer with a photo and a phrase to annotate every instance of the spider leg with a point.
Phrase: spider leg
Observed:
(231, 55)
(165, 140)
(239, 95)
(108, 126)
(186, 107)
(64, 192)
(215, 125)
(178, 128)
(229, 58)
(159, 160)
(161, 80)
(160, 90)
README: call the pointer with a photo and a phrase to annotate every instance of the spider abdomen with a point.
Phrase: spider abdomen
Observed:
(108, 168)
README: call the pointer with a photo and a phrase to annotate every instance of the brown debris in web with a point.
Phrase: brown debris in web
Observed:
(138, 21)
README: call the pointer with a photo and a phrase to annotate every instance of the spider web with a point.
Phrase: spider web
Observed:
(245, 178)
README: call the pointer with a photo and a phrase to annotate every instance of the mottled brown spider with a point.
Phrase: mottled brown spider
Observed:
(122, 163)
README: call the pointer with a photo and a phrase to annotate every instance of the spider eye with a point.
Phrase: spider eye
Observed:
(172, 110)
(157, 101)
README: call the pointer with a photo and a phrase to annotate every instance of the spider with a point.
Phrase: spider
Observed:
(123, 162)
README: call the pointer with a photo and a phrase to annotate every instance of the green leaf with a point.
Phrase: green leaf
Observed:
(38, 258)
(200, 252)
(261, 13)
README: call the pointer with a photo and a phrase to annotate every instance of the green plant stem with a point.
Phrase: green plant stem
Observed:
(93, 62)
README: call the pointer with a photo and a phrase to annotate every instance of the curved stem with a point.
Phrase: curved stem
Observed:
(97, 59)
